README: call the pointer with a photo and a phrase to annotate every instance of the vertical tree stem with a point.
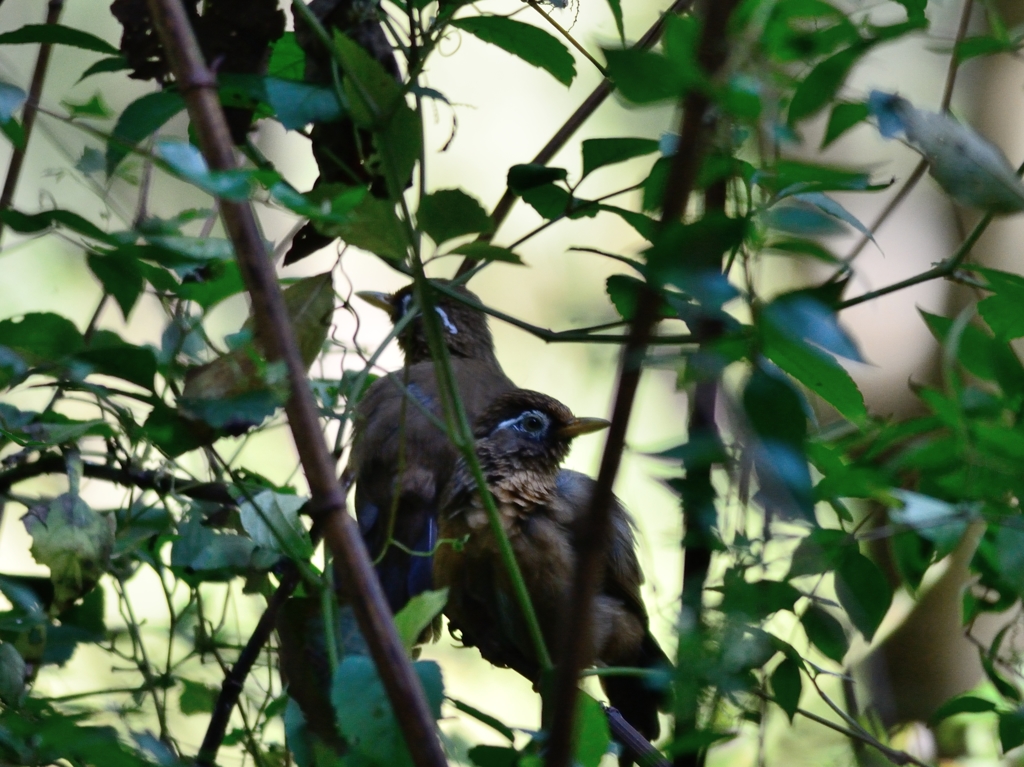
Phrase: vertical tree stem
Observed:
(35, 91)
(592, 549)
(372, 613)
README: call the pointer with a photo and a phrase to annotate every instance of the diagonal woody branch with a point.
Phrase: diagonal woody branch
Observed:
(682, 180)
(198, 86)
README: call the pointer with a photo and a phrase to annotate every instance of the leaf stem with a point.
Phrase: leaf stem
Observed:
(565, 33)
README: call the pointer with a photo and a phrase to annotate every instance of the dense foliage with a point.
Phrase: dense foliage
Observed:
(784, 473)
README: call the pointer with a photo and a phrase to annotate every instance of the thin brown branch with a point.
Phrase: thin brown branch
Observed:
(576, 119)
(407, 698)
(682, 178)
(632, 741)
(35, 90)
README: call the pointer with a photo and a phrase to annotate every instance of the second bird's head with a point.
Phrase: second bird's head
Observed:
(463, 328)
(527, 430)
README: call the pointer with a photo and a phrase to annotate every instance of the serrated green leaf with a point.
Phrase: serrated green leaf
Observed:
(197, 698)
(644, 77)
(372, 225)
(532, 44)
(372, 92)
(287, 59)
(272, 521)
(450, 213)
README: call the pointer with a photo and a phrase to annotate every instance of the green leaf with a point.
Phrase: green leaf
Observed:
(31, 224)
(400, 142)
(963, 704)
(297, 104)
(616, 9)
(11, 99)
(197, 698)
(41, 337)
(73, 541)
(450, 213)
(139, 120)
(787, 685)
(1003, 311)
(493, 756)
(484, 251)
(12, 676)
(825, 633)
(94, 107)
(418, 613)
(372, 225)
(818, 371)
(495, 724)
(207, 293)
(108, 354)
(15, 133)
(287, 59)
(170, 432)
(864, 592)
(121, 277)
(110, 64)
(58, 35)
(372, 92)
(592, 735)
(272, 521)
(820, 552)
(757, 600)
(644, 77)
(803, 317)
(821, 85)
(532, 44)
(598, 152)
(188, 163)
(1011, 729)
(522, 178)
(366, 719)
(844, 116)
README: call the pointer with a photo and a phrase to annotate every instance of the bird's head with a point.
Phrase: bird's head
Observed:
(529, 430)
(464, 328)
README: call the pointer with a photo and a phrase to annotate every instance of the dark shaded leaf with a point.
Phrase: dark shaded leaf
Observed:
(821, 85)
(787, 685)
(825, 633)
(644, 77)
(532, 44)
(197, 698)
(524, 177)
(121, 277)
(484, 251)
(598, 152)
(110, 64)
(57, 34)
(864, 592)
(297, 104)
(963, 704)
(139, 120)
(450, 213)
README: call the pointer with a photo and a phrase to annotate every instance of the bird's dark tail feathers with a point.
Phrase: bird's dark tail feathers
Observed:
(638, 698)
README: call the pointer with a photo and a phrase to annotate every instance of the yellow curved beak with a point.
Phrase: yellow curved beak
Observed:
(380, 300)
(580, 426)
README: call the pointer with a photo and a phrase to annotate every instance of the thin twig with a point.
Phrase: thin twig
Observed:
(569, 38)
(199, 87)
(144, 479)
(35, 90)
(576, 119)
(682, 178)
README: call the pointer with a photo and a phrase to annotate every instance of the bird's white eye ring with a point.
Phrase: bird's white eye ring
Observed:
(534, 423)
(406, 300)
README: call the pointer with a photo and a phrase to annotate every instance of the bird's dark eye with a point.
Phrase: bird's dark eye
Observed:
(533, 424)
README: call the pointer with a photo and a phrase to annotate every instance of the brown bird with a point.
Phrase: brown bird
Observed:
(401, 460)
(522, 438)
